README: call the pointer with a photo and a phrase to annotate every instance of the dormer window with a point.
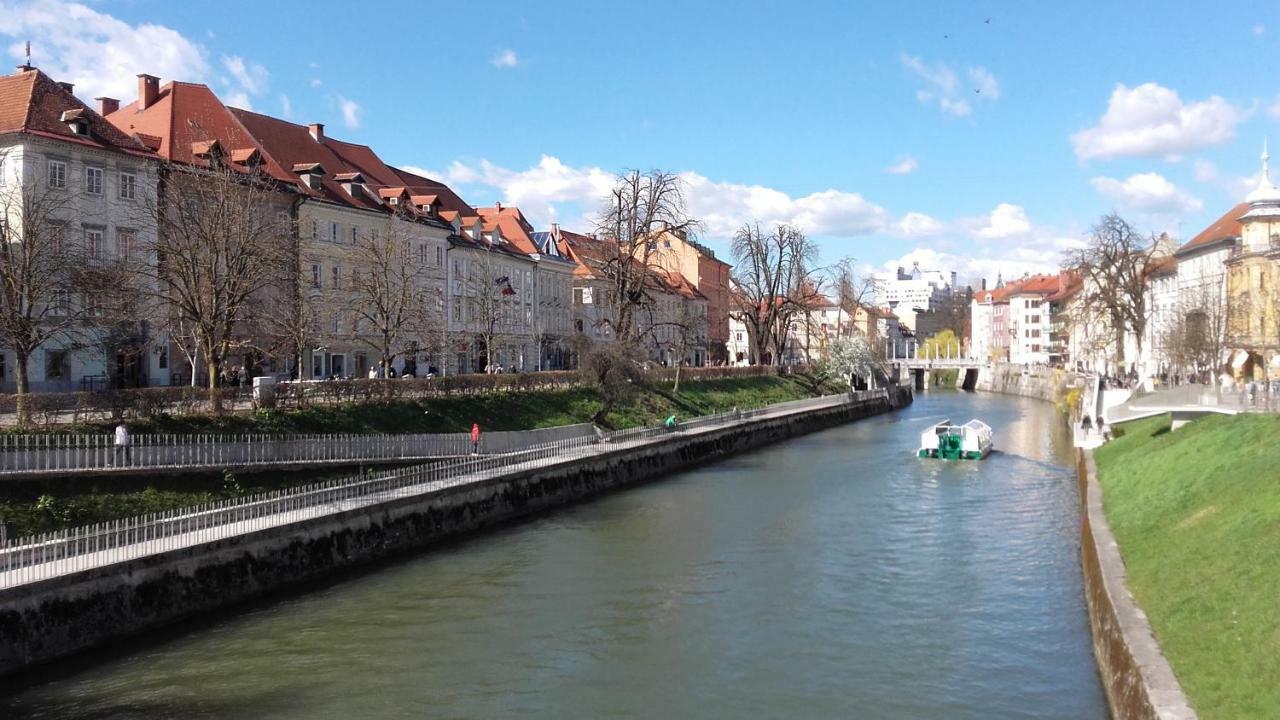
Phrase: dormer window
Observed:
(393, 195)
(352, 183)
(208, 150)
(312, 173)
(248, 158)
(426, 204)
(76, 121)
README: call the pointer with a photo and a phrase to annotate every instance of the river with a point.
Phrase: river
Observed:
(833, 576)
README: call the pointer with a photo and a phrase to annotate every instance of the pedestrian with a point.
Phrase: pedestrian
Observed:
(122, 444)
(475, 438)
(243, 375)
(373, 372)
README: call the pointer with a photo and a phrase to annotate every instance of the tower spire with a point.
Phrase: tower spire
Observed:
(1266, 158)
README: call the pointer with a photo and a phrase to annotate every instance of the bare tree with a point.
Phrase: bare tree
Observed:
(491, 300)
(221, 244)
(639, 209)
(396, 308)
(1114, 266)
(612, 368)
(775, 278)
(51, 285)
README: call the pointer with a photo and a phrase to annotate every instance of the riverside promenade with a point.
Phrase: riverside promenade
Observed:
(68, 592)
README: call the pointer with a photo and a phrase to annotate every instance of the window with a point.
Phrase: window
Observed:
(92, 307)
(93, 180)
(315, 229)
(56, 365)
(3, 367)
(335, 233)
(125, 242)
(1, 185)
(355, 234)
(315, 276)
(93, 243)
(162, 357)
(422, 254)
(336, 275)
(439, 256)
(57, 174)
(128, 186)
(60, 303)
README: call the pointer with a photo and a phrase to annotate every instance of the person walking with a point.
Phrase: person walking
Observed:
(122, 444)
(475, 438)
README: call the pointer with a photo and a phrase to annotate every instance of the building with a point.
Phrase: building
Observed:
(76, 186)
(908, 292)
(1253, 272)
(676, 253)
(1029, 321)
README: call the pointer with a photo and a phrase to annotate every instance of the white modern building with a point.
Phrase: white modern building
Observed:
(906, 292)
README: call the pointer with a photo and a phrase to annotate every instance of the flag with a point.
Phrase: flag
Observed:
(504, 283)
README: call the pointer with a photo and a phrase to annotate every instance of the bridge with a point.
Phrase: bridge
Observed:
(917, 363)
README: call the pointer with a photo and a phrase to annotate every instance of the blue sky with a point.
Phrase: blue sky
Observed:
(1012, 126)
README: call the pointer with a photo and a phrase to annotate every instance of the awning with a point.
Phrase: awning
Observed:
(1238, 359)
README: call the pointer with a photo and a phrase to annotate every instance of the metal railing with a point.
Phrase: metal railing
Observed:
(40, 557)
(37, 454)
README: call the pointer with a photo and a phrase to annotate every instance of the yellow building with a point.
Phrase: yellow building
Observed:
(1253, 273)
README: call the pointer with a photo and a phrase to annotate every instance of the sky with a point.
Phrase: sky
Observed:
(981, 137)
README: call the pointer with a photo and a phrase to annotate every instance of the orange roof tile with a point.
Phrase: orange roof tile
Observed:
(1225, 227)
(32, 103)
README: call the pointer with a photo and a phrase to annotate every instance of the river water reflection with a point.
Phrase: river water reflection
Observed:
(832, 576)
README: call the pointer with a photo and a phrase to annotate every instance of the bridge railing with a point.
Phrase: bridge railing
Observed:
(52, 453)
(40, 557)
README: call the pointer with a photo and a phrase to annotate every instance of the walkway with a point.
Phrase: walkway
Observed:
(1188, 400)
(56, 554)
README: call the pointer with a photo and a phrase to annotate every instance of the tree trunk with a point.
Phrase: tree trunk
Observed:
(675, 389)
(24, 390)
(215, 394)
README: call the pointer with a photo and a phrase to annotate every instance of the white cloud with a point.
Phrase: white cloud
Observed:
(1236, 186)
(1274, 109)
(942, 85)
(905, 166)
(1259, 29)
(541, 192)
(1005, 221)
(99, 53)
(252, 77)
(315, 82)
(1147, 193)
(1152, 121)
(505, 59)
(971, 267)
(917, 224)
(102, 55)
(350, 112)
(286, 107)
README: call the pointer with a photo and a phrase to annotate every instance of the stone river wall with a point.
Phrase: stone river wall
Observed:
(68, 615)
(1138, 680)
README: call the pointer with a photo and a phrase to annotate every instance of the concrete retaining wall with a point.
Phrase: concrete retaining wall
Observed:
(1036, 382)
(1138, 680)
(58, 618)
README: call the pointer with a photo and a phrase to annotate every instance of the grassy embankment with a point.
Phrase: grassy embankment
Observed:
(1197, 516)
(45, 506)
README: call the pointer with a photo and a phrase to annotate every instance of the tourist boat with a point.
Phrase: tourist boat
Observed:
(970, 441)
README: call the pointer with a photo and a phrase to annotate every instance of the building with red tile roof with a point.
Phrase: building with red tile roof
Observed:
(61, 160)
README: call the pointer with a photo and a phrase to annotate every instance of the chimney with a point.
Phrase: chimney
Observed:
(317, 132)
(107, 105)
(26, 67)
(148, 89)
(555, 231)
(497, 205)
(953, 279)
(67, 86)
(984, 283)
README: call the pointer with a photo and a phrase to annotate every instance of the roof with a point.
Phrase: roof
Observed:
(449, 200)
(1225, 228)
(1034, 285)
(32, 103)
(1162, 267)
(184, 116)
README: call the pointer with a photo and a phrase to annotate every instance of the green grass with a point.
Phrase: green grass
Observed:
(53, 504)
(494, 411)
(1196, 512)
